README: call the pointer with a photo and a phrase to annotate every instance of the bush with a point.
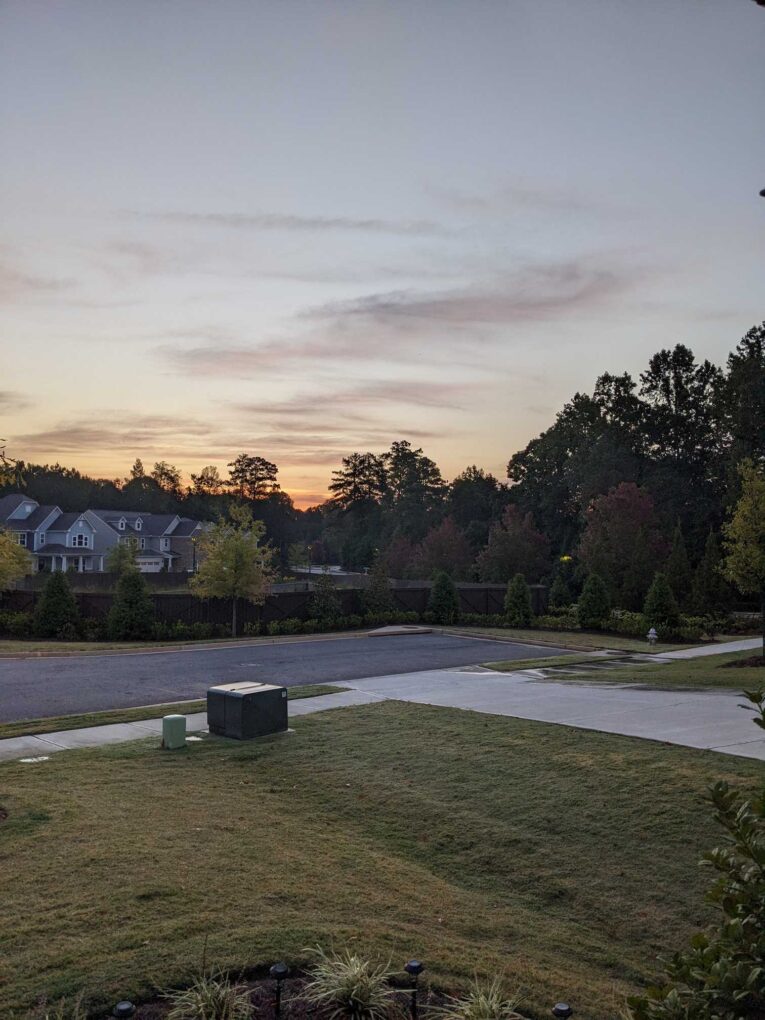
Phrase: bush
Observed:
(483, 1001)
(518, 611)
(131, 617)
(57, 615)
(622, 621)
(556, 622)
(346, 985)
(16, 625)
(594, 604)
(325, 603)
(660, 606)
(93, 629)
(251, 629)
(560, 594)
(211, 997)
(443, 601)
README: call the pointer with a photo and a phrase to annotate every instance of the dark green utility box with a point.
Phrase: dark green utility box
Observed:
(247, 710)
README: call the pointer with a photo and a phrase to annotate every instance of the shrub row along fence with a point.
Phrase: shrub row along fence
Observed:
(474, 599)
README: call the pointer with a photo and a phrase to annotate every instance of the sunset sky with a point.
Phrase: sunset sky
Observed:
(298, 229)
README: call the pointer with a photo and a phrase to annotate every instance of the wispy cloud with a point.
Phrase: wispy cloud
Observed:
(10, 400)
(17, 285)
(357, 401)
(296, 222)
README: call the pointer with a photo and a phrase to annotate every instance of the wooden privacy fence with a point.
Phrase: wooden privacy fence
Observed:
(481, 599)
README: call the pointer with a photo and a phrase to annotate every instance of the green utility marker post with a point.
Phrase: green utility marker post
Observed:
(173, 732)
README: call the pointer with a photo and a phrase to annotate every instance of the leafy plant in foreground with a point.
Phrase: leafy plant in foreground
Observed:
(482, 1001)
(211, 997)
(346, 985)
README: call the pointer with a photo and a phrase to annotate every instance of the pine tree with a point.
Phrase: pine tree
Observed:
(518, 602)
(378, 597)
(711, 593)
(678, 569)
(131, 617)
(594, 604)
(560, 594)
(443, 601)
(660, 607)
(325, 603)
(57, 614)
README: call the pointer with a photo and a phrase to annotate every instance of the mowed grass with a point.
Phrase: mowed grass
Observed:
(712, 671)
(57, 723)
(562, 858)
(577, 640)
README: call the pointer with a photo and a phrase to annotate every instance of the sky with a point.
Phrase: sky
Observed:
(299, 229)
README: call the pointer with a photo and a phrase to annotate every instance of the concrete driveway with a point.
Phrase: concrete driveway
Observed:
(711, 719)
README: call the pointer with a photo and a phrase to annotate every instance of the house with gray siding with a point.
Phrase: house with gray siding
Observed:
(82, 541)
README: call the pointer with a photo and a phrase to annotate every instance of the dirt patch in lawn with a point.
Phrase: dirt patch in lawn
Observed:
(754, 660)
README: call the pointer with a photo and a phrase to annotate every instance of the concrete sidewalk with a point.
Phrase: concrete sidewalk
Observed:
(711, 720)
(744, 645)
(45, 744)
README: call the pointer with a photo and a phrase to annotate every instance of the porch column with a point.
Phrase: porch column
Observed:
(63, 563)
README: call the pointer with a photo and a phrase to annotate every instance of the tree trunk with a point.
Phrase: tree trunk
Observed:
(233, 617)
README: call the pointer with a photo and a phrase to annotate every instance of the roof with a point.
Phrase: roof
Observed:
(37, 517)
(151, 524)
(185, 528)
(65, 521)
(10, 503)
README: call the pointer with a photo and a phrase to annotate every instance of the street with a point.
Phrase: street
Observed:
(47, 686)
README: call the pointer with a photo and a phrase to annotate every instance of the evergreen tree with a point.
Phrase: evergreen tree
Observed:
(660, 607)
(131, 617)
(518, 602)
(711, 593)
(678, 569)
(325, 603)
(378, 597)
(443, 601)
(57, 614)
(594, 604)
(560, 594)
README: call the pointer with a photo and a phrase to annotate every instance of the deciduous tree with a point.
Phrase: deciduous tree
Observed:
(444, 549)
(745, 537)
(15, 561)
(234, 563)
(515, 546)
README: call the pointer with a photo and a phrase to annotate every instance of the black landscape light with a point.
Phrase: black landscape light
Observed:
(123, 1009)
(414, 968)
(279, 972)
(562, 1010)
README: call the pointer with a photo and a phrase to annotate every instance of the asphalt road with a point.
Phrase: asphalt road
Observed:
(40, 687)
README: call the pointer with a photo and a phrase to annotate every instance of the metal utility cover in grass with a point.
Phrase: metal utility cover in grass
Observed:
(247, 710)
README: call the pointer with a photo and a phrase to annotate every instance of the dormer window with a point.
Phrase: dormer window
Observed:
(138, 524)
(121, 523)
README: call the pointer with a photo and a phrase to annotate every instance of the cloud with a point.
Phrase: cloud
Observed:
(352, 401)
(293, 222)
(12, 401)
(17, 285)
(519, 196)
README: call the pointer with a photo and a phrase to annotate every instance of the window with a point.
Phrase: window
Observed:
(165, 543)
(138, 525)
(42, 539)
(21, 537)
(121, 524)
(143, 543)
(81, 541)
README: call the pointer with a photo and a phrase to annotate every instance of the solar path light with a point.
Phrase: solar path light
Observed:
(279, 972)
(561, 1010)
(414, 968)
(124, 1009)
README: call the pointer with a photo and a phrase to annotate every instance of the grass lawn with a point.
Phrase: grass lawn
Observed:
(576, 639)
(55, 724)
(561, 858)
(14, 649)
(707, 671)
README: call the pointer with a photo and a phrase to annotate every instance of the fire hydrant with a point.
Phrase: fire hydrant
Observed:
(652, 636)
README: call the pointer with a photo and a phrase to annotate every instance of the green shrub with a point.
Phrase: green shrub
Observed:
(93, 629)
(556, 622)
(560, 595)
(518, 611)
(211, 997)
(622, 621)
(131, 617)
(482, 1001)
(325, 603)
(594, 604)
(57, 614)
(378, 598)
(660, 607)
(252, 629)
(443, 601)
(346, 985)
(274, 628)
(16, 625)
(354, 621)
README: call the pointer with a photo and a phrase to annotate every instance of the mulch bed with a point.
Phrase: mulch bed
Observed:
(292, 1007)
(755, 660)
